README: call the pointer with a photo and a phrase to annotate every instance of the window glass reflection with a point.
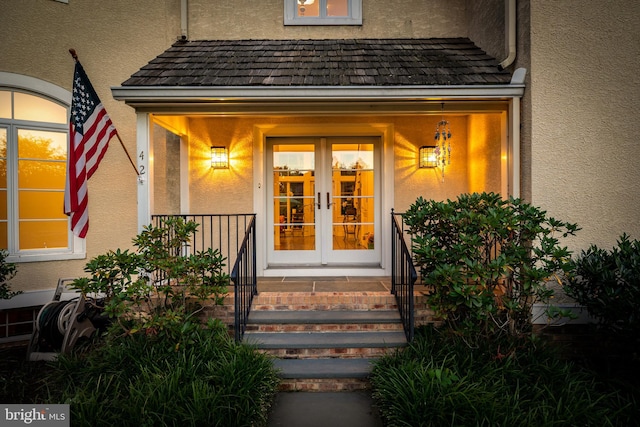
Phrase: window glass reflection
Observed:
(29, 107)
(5, 104)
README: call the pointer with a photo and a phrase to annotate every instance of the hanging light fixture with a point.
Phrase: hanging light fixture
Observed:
(443, 143)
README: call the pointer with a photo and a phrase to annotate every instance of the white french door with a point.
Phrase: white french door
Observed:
(323, 204)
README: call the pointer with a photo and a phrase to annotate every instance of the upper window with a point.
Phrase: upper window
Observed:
(33, 155)
(323, 12)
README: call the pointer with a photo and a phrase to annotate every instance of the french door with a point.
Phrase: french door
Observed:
(323, 201)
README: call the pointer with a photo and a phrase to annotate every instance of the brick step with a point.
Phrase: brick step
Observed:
(324, 368)
(325, 341)
(323, 320)
(360, 344)
(324, 374)
(324, 317)
(296, 301)
(324, 327)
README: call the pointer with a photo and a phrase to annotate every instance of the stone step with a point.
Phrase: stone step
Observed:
(324, 316)
(322, 327)
(323, 320)
(326, 344)
(324, 368)
(324, 374)
(325, 341)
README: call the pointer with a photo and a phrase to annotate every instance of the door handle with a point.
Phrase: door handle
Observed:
(319, 202)
(328, 201)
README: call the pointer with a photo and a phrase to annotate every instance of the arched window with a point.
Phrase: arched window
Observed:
(33, 153)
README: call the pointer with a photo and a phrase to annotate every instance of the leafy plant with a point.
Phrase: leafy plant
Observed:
(487, 260)
(161, 288)
(142, 380)
(607, 283)
(439, 381)
(7, 272)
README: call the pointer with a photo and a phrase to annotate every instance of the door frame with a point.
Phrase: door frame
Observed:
(260, 202)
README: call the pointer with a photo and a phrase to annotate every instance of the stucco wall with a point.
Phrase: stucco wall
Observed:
(380, 19)
(230, 191)
(585, 58)
(113, 39)
(486, 22)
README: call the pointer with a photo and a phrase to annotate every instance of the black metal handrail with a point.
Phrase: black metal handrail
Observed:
(403, 275)
(224, 232)
(244, 278)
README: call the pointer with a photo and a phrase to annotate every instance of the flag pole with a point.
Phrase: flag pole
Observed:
(74, 55)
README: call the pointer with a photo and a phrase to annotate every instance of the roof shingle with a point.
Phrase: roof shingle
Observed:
(343, 62)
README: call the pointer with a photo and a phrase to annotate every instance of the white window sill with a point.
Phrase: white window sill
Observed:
(45, 257)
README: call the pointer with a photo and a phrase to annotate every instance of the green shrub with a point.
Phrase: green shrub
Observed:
(439, 381)
(487, 260)
(158, 289)
(143, 380)
(607, 283)
(7, 272)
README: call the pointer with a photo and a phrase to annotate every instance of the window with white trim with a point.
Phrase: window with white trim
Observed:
(323, 12)
(33, 153)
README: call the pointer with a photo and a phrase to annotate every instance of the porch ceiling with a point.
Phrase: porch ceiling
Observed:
(360, 74)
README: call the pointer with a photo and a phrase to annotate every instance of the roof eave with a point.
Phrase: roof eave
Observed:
(147, 96)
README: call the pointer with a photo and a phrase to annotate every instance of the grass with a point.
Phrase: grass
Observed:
(141, 380)
(440, 381)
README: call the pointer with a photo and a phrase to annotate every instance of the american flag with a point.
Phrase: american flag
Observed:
(89, 135)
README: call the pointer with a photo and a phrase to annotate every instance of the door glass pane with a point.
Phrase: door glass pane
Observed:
(294, 212)
(353, 196)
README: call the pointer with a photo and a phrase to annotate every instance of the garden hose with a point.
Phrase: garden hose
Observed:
(53, 320)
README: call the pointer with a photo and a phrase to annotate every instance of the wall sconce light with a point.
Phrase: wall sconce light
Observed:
(427, 156)
(219, 158)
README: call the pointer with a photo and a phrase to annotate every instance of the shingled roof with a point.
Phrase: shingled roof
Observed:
(344, 62)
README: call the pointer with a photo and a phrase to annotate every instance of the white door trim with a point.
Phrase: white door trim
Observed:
(260, 134)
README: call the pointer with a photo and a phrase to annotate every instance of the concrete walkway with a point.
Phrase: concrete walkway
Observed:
(343, 409)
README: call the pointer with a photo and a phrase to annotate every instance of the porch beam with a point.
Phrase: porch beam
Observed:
(326, 108)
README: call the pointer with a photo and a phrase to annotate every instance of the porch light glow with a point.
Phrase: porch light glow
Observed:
(427, 157)
(443, 143)
(306, 2)
(219, 158)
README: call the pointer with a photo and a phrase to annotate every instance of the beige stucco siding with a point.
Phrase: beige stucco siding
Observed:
(475, 161)
(381, 19)
(585, 60)
(113, 39)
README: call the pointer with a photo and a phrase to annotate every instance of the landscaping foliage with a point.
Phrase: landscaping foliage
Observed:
(159, 364)
(607, 283)
(159, 287)
(7, 272)
(439, 381)
(486, 260)
(144, 380)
